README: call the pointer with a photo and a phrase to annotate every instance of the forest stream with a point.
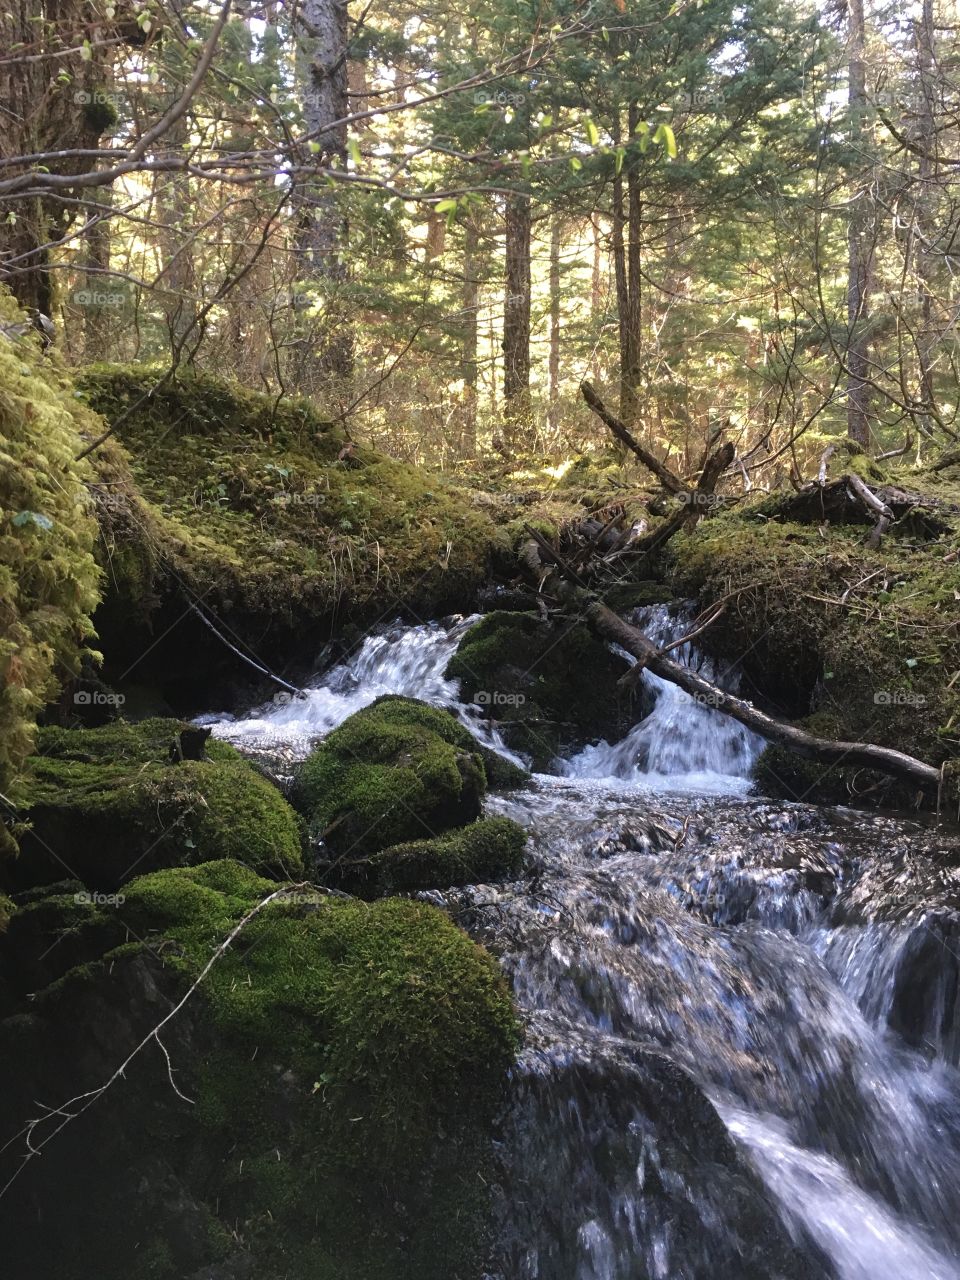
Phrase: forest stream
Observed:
(670, 919)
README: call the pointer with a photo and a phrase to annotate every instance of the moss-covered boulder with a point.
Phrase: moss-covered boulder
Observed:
(105, 804)
(396, 770)
(490, 849)
(271, 516)
(336, 1075)
(48, 576)
(552, 686)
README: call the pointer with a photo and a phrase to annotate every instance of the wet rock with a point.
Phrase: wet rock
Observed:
(614, 1153)
(551, 687)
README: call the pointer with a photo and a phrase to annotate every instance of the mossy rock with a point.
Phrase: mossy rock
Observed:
(487, 850)
(394, 771)
(103, 804)
(48, 576)
(345, 1061)
(551, 686)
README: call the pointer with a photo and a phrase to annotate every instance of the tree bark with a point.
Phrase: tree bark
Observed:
(553, 369)
(321, 63)
(516, 320)
(858, 252)
(468, 350)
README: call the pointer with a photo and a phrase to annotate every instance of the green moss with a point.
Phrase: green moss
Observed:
(388, 1031)
(396, 770)
(48, 577)
(490, 849)
(6, 911)
(268, 511)
(104, 802)
(329, 984)
(859, 644)
(550, 686)
(122, 743)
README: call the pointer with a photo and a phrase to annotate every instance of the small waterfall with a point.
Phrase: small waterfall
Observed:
(741, 1015)
(865, 1239)
(409, 661)
(683, 744)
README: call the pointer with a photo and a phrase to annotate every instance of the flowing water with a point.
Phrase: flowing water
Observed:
(743, 1015)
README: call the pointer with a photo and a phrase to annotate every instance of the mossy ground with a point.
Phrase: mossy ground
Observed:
(268, 514)
(104, 803)
(345, 1060)
(862, 644)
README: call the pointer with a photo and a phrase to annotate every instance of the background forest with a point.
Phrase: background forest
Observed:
(437, 220)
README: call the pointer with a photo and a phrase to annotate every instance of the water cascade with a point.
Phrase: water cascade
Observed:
(742, 1029)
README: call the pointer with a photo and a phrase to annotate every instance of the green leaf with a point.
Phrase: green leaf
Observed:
(575, 164)
(618, 159)
(593, 134)
(446, 206)
(665, 135)
(353, 147)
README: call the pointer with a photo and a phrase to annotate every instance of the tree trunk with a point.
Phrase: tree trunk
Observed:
(621, 285)
(468, 354)
(928, 338)
(516, 321)
(553, 368)
(96, 329)
(178, 278)
(321, 235)
(858, 270)
(48, 102)
(630, 357)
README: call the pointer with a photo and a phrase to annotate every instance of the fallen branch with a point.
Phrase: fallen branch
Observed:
(609, 626)
(705, 620)
(257, 666)
(663, 473)
(873, 504)
(696, 503)
(897, 453)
